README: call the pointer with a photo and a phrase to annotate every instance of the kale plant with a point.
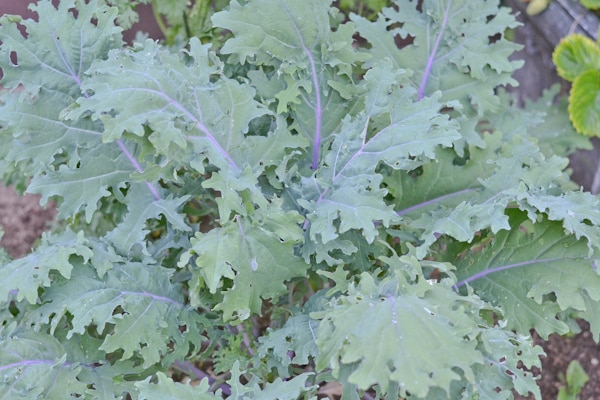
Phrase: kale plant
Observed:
(324, 198)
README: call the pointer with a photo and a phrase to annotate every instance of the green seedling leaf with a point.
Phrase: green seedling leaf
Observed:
(576, 378)
(591, 4)
(536, 7)
(584, 103)
(574, 55)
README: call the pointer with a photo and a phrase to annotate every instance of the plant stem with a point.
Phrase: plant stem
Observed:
(421, 92)
(158, 18)
(190, 369)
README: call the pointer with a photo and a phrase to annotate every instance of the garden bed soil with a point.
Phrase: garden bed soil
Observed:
(23, 221)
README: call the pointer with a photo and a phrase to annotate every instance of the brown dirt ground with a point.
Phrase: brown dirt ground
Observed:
(23, 221)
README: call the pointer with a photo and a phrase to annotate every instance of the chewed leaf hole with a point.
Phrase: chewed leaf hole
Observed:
(14, 59)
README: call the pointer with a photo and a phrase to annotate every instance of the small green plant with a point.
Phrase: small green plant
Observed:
(577, 59)
(287, 209)
(574, 381)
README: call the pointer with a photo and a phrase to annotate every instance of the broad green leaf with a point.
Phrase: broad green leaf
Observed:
(166, 389)
(545, 119)
(591, 4)
(293, 33)
(574, 55)
(62, 46)
(247, 260)
(449, 48)
(268, 150)
(58, 48)
(133, 230)
(460, 196)
(82, 186)
(334, 252)
(175, 99)
(506, 371)
(28, 274)
(144, 309)
(236, 193)
(584, 102)
(276, 390)
(552, 269)
(284, 390)
(35, 138)
(450, 179)
(105, 381)
(298, 41)
(506, 354)
(35, 365)
(579, 213)
(346, 194)
(378, 329)
(298, 335)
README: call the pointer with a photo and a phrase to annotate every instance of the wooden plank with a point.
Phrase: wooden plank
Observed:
(561, 18)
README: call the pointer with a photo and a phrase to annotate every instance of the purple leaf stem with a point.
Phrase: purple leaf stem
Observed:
(120, 143)
(321, 196)
(137, 167)
(483, 274)
(195, 372)
(193, 118)
(433, 52)
(433, 201)
(318, 111)
(315, 79)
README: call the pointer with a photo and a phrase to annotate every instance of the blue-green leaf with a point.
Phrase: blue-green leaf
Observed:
(28, 274)
(553, 271)
(59, 47)
(247, 260)
(166, 389)
(449, 48)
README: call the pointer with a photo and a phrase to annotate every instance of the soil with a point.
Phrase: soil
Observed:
(24, 221)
